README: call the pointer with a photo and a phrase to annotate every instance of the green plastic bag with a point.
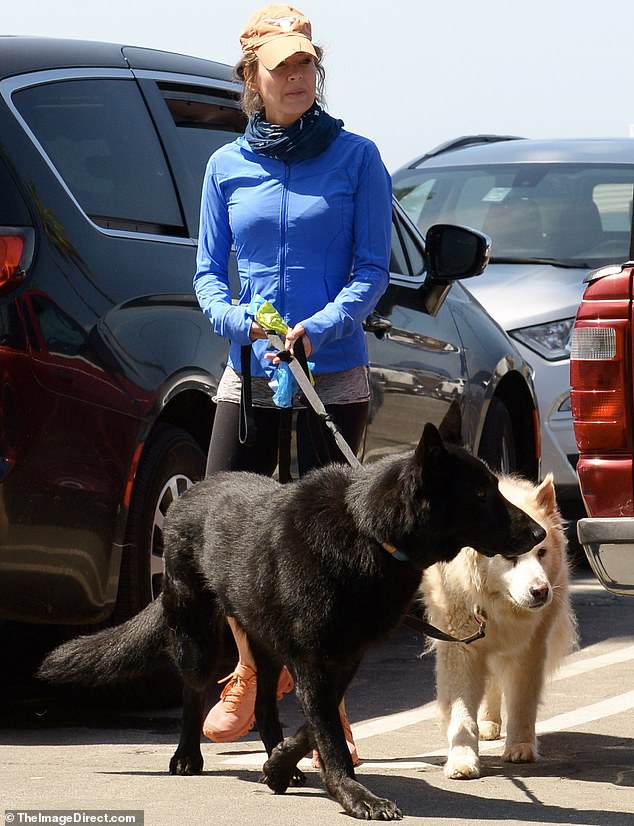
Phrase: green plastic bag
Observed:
(283, 382)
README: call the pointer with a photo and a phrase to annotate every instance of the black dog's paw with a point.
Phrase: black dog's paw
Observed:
(186, 764)
(276, 777)
(376, 808)
(298, 778)
(280, 770)
(362, 804)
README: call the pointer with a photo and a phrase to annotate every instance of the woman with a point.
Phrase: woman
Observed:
(307, 206)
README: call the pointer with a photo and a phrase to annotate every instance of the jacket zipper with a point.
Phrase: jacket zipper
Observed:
(283, 228)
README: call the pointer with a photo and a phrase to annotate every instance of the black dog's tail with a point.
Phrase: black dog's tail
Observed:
(114, 655)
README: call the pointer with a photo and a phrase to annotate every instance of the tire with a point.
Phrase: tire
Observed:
(172, 461)
(497, 444)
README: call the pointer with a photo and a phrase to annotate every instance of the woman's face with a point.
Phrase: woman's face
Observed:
(289, 89)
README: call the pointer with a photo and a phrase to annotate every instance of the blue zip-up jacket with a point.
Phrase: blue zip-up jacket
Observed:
(312, 236)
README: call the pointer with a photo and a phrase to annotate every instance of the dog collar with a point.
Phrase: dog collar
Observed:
(480, 615)
(394, 551)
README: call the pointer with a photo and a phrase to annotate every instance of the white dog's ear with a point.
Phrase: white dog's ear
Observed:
(545, 495)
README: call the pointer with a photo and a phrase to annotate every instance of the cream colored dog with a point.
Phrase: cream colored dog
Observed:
(530, 627)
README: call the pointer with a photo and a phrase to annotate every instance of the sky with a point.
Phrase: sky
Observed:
(409, 74)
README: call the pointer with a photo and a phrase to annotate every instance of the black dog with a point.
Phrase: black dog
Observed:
(315, 572)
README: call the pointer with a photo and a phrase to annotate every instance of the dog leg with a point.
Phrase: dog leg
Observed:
(523, 684)
(195, 646)
(188, 758)
(280, 770)
(195, 657)
(490, 714)
(268, 723)
(460, 684)
(320, 702)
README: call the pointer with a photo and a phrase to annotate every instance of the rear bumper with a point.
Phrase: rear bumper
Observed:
(609, 546)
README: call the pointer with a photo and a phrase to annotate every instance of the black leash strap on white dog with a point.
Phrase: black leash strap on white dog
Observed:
(431, 631)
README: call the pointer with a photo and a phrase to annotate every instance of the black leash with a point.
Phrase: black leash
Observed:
(246, 428)
(417, 624)
(316, 423)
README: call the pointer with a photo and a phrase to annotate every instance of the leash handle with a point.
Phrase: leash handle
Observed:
(300, 354)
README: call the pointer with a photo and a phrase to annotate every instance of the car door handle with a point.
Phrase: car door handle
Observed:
(377, 324)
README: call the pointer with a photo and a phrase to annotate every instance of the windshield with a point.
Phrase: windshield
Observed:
(576, 214)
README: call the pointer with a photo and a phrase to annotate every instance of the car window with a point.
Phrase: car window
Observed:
(100, 138)
(61, 334)
(569, 212)
(204, 122)
(413, 198)
(407, 254)
(614, 202)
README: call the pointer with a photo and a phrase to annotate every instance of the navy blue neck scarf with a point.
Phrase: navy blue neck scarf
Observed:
(305, 138)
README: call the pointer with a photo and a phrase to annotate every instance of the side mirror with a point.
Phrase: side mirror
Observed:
(454, 252)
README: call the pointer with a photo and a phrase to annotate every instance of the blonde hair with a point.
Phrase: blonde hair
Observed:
(246, 71)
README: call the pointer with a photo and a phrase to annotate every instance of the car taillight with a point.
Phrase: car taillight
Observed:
(599, 368)
(16, 254)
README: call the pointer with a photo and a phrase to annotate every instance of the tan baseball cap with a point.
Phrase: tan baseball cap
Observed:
(275, 33)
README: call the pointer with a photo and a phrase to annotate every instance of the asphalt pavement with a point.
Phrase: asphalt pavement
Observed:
(78, 759)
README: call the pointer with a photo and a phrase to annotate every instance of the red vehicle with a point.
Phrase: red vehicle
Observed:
(602, 393)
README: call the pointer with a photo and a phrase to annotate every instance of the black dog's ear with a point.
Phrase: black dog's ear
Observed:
(430, 443)
(451, 426)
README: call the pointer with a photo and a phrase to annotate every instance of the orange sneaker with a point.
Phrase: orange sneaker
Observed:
(234, 713)
(285, 684)
(233, 716)
(349, 740)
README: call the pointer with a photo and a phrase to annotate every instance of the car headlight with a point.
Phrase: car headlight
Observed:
(550, 341)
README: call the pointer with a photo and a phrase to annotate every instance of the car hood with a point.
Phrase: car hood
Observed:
(520, 295)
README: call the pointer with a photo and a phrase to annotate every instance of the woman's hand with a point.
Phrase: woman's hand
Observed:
(291, 337)
(256, 331)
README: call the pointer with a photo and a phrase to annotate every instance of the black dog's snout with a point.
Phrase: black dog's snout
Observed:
(539, 534)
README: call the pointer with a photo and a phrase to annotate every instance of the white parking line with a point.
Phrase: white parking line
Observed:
(568, 720)
(403, 719)
(587, 714)
(392, 722)
(582, 666)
